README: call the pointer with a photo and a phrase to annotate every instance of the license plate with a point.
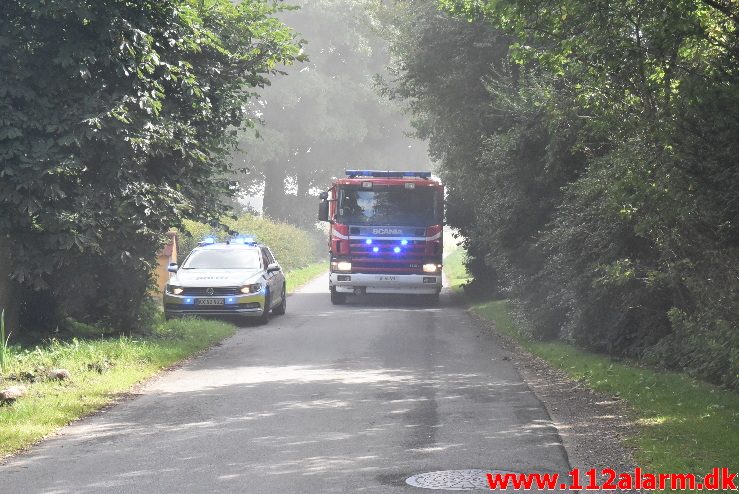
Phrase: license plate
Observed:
(387, 278)
(210, 301)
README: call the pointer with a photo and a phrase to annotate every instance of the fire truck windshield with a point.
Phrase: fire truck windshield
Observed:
(388, 205)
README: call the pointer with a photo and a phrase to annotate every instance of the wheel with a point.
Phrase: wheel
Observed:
(280, 309)
(337, 298)
(264, 318)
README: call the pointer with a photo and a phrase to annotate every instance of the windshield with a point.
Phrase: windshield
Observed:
(222, 259)
(388, 205)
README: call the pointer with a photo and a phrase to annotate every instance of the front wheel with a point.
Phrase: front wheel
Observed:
(280, 309)
(337, 298)
(264, 318)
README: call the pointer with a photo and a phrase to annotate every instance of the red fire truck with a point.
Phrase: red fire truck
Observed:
(385, 234)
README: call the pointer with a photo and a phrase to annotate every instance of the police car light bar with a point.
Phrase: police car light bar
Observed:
(386, 174)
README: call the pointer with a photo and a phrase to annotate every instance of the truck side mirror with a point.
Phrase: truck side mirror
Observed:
(172, 268)
(323, 210)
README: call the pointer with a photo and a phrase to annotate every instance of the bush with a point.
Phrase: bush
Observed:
(293, 247)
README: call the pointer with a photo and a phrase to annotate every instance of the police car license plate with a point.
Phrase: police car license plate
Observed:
(210, 301)
(387, 278)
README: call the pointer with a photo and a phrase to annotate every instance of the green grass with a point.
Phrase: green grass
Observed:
(683, 425)
(99, 370)
(454, 269)
(299, 277)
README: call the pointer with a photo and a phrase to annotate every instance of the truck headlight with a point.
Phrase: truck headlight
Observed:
(431, 268)
(341, 266)
(174, 289)
(253, 288)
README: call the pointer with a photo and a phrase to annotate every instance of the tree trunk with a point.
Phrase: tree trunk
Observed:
(274, 192)
(8, 295)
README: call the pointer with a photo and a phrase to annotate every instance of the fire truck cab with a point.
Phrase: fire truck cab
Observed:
(385, 233)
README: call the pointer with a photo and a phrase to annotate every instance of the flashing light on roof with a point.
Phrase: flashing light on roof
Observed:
(244, 241)
(207, 241)
(386, 174)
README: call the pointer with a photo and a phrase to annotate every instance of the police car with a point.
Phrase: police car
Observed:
(238, 277)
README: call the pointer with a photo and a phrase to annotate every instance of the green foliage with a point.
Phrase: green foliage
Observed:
(293, 247)
(589, 150)
(117, 120)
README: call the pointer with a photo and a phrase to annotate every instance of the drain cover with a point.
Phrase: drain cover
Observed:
(453, 480)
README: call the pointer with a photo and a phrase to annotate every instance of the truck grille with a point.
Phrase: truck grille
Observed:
(408, 261)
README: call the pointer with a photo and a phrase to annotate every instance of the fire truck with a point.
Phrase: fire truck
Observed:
(385, 234)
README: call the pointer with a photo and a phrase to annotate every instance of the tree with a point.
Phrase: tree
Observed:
(117, 120)
(591, 163)
(326, 116)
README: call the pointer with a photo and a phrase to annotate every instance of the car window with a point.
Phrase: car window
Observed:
(222, 259)
(265, 258)
(270, 257)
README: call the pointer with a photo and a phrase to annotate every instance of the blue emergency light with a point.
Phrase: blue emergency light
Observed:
(207, 241)
(386, 174)
(244, 241)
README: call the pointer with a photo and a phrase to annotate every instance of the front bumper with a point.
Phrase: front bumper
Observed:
(413, 284)
(251, 304)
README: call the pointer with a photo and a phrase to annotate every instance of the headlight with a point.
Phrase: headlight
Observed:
(431, 268)
(341, 266)
(177, 290)
(253, 288)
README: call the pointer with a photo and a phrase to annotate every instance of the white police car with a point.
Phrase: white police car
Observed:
(239, 277)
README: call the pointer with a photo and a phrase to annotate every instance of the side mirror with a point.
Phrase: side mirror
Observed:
(173, 267)
(273, 268)
(323, 210)
(323, 196)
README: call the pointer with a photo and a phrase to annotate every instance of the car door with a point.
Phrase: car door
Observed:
(279, 278)
(270, 277)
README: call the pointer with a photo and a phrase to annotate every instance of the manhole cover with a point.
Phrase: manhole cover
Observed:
(453, 480)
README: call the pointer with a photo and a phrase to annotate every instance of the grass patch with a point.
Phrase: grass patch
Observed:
(684, 425)
(454, 269)
(299, 277)
(99, 370)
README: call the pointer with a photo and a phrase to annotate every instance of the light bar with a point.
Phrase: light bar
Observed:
(386, 174)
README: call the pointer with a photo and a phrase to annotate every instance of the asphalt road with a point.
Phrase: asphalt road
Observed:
(338, 399)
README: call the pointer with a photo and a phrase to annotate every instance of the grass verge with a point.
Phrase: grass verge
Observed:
(99, 370)
(684, 425)
(454, 269)
(299, 277)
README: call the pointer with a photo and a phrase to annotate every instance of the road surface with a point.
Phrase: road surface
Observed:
(335, 399)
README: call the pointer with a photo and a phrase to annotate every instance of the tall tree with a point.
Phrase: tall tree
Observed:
(327, 115)
(117, 118)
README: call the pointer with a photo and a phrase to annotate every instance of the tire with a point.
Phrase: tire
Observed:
(264, 318)
(280, 309)
(337, 298)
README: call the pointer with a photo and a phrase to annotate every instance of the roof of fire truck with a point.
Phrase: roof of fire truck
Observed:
(381, 177)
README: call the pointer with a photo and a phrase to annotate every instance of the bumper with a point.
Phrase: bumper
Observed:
(413, 284)
(244, 305)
